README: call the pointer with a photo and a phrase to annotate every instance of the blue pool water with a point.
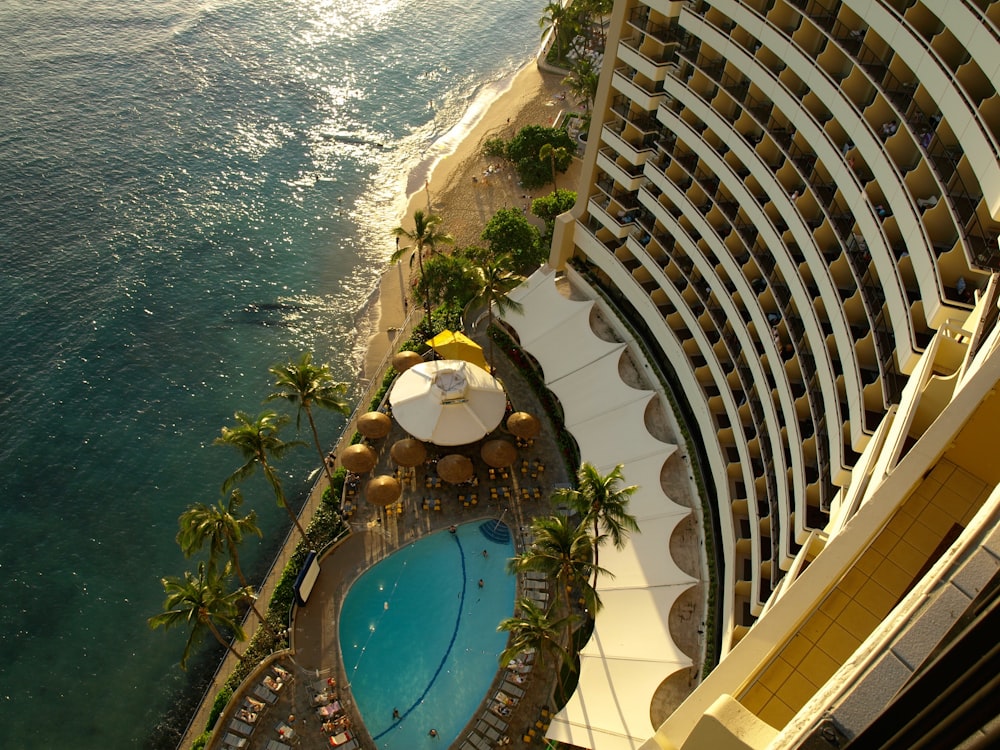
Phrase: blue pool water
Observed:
(418, 634)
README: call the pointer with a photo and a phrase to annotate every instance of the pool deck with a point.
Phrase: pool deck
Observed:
(314, 656)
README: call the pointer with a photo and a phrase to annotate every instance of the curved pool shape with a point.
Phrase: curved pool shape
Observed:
(419, 635)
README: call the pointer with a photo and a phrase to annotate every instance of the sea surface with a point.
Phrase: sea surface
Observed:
(190, 192)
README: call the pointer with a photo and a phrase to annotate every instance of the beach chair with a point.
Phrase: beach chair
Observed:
(513, 689)
(241, 727)
(496, 722)
(264, 694)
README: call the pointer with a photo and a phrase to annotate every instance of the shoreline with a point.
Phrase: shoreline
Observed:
(528, 97)
(465, 207)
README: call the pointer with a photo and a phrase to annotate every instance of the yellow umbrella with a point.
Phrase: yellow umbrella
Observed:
(454, 345)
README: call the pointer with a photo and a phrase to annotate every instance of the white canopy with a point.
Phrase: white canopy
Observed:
(447, 402)
(631, 651)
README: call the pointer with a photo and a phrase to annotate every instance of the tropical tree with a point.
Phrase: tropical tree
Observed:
(448, 280)
(496, 280)
(524, 147)
(548, 207)
(202, 604)
(256, 438)
(563, 551)
(510, 234)
(534, 630)
(582, 82)
(425, 234)
(306, 385)
(601, 501)
(554, 20)
(222, 529)
(551, 153)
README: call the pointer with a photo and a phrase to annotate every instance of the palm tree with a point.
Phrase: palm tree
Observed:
(307, 385)
(425, 234)
(201, 603)
(601, 502)
(222, 530)
(552, 153)
(495, 282)
(256, 438)
(582, 82)
(563, 551)
(535, 630)
(552, 20)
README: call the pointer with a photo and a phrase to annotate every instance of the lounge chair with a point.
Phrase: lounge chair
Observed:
(241, 727)
(233, 740)
(496, 722)
(264, 694)
(513, 689)
(351, 744)
(275, 745)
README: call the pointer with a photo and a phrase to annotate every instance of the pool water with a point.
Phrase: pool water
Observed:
(419, 635)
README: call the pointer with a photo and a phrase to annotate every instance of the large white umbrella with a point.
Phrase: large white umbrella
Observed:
(447, 402)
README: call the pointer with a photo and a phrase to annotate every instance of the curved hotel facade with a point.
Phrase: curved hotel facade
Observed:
(792, 208)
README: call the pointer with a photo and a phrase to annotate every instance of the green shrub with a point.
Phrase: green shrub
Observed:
(524, 149)
(495, 147)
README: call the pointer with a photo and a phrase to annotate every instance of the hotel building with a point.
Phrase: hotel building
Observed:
(789, 217)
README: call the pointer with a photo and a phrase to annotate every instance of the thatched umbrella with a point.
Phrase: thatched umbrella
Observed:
(383, 490)
(358, 458)
(523, 425)
(374, 424)
(455, 468)
(498, 453)
(408, 452)
(403, 361)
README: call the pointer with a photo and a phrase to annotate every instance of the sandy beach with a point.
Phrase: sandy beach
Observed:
(465, 204)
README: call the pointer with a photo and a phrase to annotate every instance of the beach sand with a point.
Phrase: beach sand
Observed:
(465, 205)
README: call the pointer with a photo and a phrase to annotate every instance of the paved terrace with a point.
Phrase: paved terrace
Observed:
(314, 657)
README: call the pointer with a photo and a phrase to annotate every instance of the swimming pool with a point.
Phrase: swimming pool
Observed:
(418, 634)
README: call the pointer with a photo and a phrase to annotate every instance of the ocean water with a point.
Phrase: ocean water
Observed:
(190, 191)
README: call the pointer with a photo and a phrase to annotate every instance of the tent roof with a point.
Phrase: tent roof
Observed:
(569, 345)
(603, 715)
(601, 438)
(644, 562)
(631, 650)
(595, 390)
(649, 501)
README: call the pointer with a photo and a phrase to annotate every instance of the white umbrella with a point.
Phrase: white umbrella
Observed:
(447, 402)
